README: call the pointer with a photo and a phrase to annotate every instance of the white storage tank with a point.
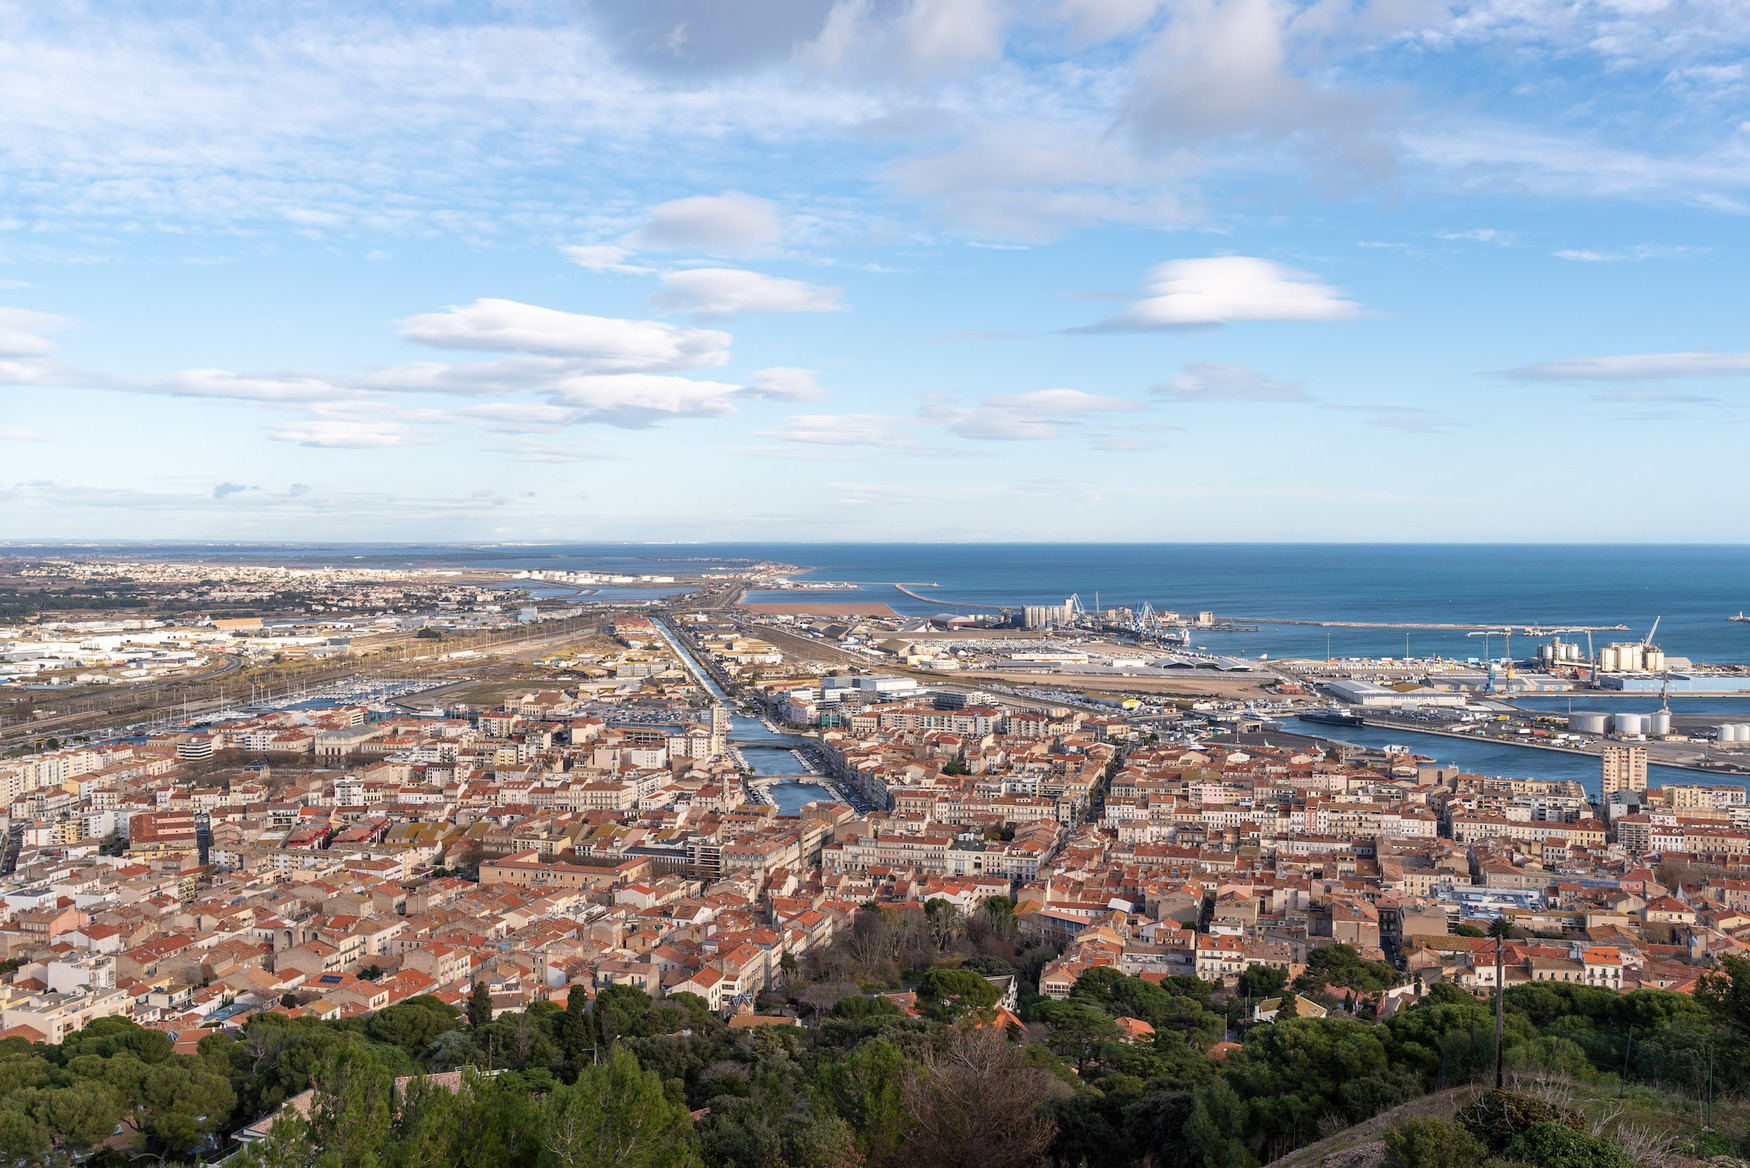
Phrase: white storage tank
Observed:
(1588, 723)
(1659, 722)
(1727, 733)
(1630, 723)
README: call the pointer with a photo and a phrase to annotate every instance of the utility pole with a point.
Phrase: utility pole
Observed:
(1500, 997)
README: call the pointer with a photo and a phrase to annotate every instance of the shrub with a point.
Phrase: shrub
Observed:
(1498, 1117)
(1556, 1145)
(1431, 1143)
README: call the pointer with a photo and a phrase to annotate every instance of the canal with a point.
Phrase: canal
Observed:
(1495, 758)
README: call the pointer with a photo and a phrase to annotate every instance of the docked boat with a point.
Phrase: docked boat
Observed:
(1333, 718)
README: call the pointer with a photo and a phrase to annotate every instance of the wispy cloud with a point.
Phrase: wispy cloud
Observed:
(1636, 367)
(729, 291)
(1210, 381)
(1642, 252)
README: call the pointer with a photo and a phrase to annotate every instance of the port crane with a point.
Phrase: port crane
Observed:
(1505, 632)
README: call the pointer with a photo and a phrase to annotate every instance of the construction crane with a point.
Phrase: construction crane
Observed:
(1648, 640)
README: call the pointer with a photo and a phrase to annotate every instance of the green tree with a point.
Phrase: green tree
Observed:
(1077, 1030)
(577, 1033)
(1727, 994)
(1263, 981)
(288, 1144)
(350, 1118)
(479, 1006)
(1342, 965)
(414, 1024)
(1292, 1074)
(957, 991)
(617, 1116)
(82, 1114)
(426, 1127)
(866, 1090)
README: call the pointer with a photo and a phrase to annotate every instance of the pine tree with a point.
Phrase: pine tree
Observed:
(479, 1006)
(618, 1114)
(577, 1031)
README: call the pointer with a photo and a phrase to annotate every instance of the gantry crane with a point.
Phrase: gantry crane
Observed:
(1506, 633)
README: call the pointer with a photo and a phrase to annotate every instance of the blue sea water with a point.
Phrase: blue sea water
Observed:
(1693, 588)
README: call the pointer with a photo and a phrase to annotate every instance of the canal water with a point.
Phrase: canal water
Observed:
(1494, 758)
(769, 753)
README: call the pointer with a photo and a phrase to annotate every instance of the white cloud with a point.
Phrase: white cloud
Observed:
(36, 371)
(261, 387)
(1637, 367)
(1211, 381)
(477, 378)
(225, 490)
(925, 38)
(348, 433)
(1040, 414)
(521, 417)
(731, 224)
(21, 434)
(638, 399)
(22, 332)
(603, 258)
(1092, 21)
(950, 35)
(726, 291)
(785, 383)
(1189, 293)
(357, 425)
(597, 343)
(1033, 180)
(850, 430)
(1220, 68)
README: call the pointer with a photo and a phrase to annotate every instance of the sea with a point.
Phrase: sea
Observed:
(1690, 590)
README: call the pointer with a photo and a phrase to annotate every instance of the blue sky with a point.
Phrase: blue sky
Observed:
(874, 269)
